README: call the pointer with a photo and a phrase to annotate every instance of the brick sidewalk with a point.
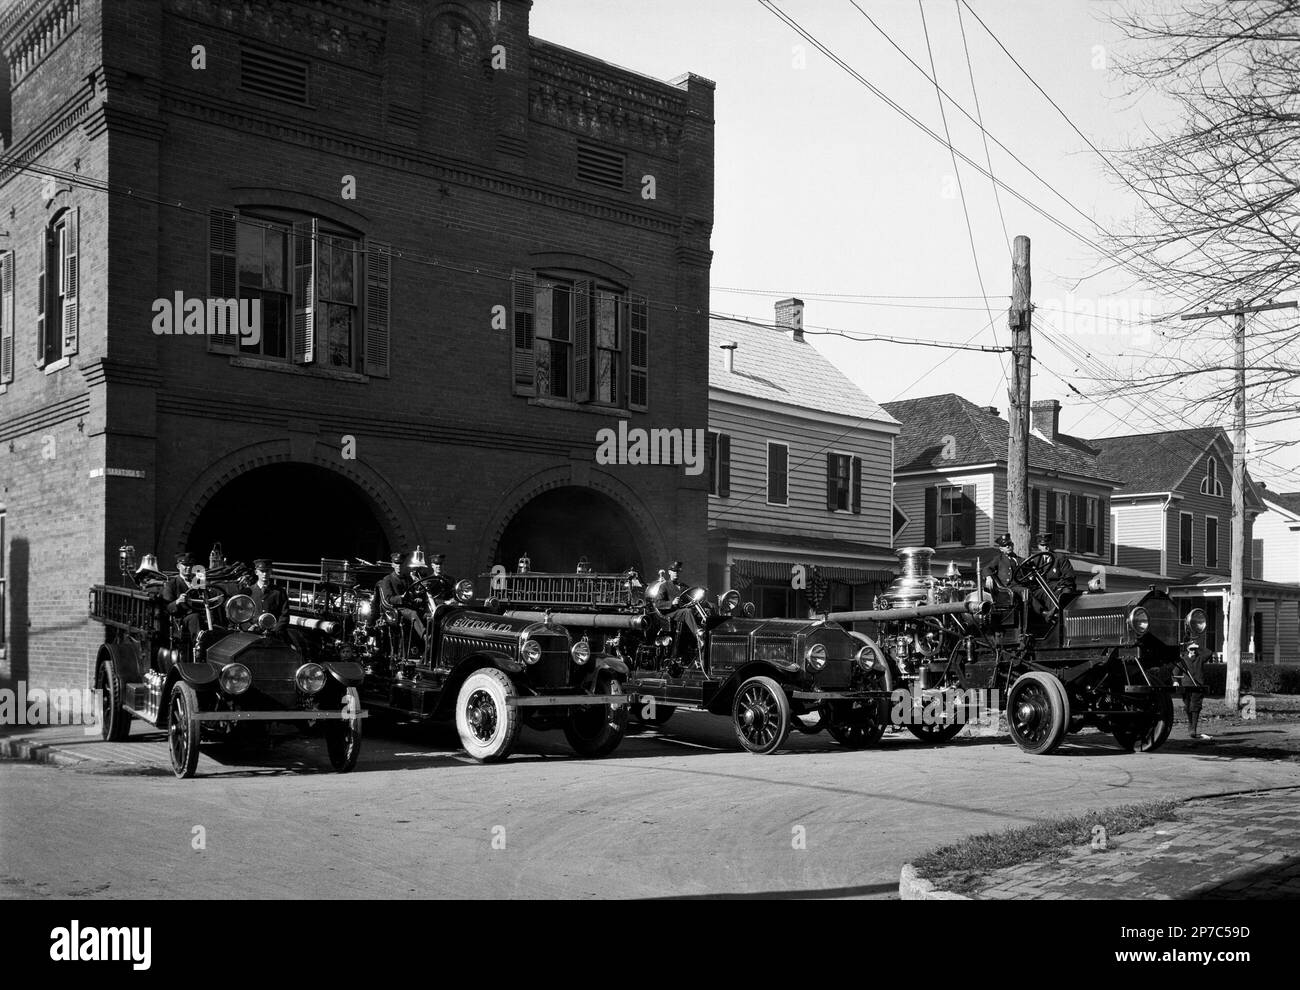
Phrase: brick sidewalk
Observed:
(1245, 847)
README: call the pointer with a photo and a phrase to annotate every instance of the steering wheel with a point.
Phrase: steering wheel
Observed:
(1038, 563)
(437, 585)
(689, 597)
(206, 597)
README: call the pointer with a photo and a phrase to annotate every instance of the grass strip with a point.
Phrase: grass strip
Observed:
(964, 864)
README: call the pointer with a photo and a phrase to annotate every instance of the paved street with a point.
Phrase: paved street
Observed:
(679, 813)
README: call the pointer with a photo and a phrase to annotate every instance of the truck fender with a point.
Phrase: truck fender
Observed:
(346, 672)
(604, 661)
(199, 675)
(126, 656)
(720, 703)
(477, 661)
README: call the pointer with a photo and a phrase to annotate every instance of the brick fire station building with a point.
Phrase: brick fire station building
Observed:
(467, 251)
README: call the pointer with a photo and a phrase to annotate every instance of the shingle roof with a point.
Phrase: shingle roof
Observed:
(774, 366)
(1155, 462)
(981, 437)
(1287, 500)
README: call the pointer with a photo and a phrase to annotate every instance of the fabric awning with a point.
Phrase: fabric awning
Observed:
(779, 571)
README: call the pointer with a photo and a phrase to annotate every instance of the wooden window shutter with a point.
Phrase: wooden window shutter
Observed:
(71, 282)
(832, 499)
(968, 515)
(223, 282)
(1103, 517)
(524, 332)
(302, 345)
(1050, 526)
(724, 465)
(931, 516)
(379, 275)
(711, 460)
(42, 293)
(638, 359)
(584, 327)
(1076, 523)
(857, 485)
(6, 320)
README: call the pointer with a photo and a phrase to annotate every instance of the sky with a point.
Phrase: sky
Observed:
(822, 190)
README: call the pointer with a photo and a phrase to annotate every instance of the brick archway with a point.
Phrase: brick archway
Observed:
(647, 529)
(391, 513)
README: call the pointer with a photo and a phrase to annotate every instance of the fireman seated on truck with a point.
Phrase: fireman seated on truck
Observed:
(1000, 577)
(173, 594)
(1058, 575)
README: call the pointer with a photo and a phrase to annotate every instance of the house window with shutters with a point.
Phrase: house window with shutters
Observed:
(778, 477)
(1184, 537)
(717, 452)
(6, 318)
(58, 287)
(323, 291)
(1090, 527)
(580, 340)
(843, 483)
(950, 516)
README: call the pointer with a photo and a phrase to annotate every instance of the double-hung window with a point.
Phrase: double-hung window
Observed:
(58, 289)
(579, 339)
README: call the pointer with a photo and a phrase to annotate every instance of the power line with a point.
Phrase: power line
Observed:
(988, 156)
(861, 338)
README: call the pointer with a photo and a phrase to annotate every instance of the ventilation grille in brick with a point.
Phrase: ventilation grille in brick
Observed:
(273, 75)
(600, 166)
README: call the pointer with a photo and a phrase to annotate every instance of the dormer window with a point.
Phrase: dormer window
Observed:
(1210, 484)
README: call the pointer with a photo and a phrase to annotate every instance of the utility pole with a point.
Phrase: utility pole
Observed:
(1236, 593)
(1018, 319)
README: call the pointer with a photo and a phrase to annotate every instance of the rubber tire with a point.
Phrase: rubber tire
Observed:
(498, 687)
(778, 709)
(115, 721)
(183, 730)
(855, 728)
(343, 736)
(1058, 716)
(1154, 734)
(594, 741)
(937, 734)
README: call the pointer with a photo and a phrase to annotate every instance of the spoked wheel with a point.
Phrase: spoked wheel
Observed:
(487, 723)
(1148, 734)
(596, 730)
(114, 720)
(1038, 712)
(343, 737)
(856, 724)
(761, 715)
(941, 732)
(183, 730)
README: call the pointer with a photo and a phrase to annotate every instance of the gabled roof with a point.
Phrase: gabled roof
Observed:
(1156, 462)
(1287, 501)
(772, 365)
(981, 437)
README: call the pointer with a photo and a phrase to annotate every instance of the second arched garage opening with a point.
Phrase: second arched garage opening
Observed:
(560, 526)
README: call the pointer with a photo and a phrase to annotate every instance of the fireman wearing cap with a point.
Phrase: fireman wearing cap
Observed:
(1058, 576)
(268, 598)
(174, 593)
(391, 593)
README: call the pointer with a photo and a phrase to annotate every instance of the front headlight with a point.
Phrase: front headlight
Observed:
(531, 651)
(464, 590)
(240, 609)
(363, 609)
(310, 678)
(1139, 620)
(1196, 621)
(866, 658)
(815, 656)
(235, 677)
(581, 652)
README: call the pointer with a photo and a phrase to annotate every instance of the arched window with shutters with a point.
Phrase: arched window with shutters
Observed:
(58, 287)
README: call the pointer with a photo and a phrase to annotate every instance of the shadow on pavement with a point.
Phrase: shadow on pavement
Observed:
(1275, 882)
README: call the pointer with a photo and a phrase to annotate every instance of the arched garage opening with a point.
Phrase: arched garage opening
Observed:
(558, 527)
(292, 513)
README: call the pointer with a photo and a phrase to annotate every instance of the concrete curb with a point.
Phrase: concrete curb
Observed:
(26, 751)
(913, 888)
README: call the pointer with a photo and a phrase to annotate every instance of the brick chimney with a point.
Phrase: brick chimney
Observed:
(789, 316)
(1045, 416)
(729, 355)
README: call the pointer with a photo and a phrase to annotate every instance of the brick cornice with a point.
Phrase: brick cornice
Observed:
(110, 371)
(222, 113)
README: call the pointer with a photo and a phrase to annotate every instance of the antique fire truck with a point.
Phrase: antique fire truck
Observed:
(237, 676)
(1101, 659)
